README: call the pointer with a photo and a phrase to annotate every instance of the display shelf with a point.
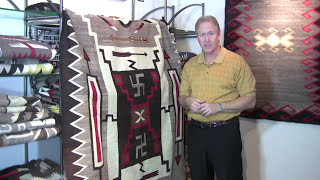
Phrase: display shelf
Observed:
(18, 23)
(182, 33)
(11, 13)
(28, 15)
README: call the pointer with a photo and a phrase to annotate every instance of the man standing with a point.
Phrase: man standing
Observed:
(216, 86)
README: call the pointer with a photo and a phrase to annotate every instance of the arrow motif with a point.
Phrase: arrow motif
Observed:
(127, 54)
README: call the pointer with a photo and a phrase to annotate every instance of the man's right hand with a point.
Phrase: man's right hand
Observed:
(194, 104)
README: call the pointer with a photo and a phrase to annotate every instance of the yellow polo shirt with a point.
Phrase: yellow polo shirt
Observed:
(226, 78)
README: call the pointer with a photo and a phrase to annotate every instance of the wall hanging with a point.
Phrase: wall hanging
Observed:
(281, 42)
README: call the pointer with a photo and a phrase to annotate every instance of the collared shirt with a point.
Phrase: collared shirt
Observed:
(224, 79)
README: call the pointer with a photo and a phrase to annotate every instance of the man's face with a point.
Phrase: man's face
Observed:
(208, 37)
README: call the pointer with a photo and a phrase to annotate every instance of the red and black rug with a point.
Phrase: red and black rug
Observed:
(120, 111)
(281, 42)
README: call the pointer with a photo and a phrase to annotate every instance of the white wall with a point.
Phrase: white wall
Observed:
(280, 150)
(272, 150)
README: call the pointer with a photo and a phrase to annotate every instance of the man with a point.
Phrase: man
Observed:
(216, 86)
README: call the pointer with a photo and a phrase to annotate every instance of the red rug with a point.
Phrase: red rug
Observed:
(280, 41)
(121, 117)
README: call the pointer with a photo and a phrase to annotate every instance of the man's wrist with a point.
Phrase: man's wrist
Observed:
(220, 107)
(185, 102)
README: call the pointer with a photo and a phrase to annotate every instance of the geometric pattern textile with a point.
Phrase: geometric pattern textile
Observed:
(14, 104)
(120, 87)
(29, 135)
(14, 101)
(280, 40)
(185, 56)
(17, 109)
(19, 47)
(35, 169)
(24, 119)
(25, 69)
(23, 126)
(19, 117)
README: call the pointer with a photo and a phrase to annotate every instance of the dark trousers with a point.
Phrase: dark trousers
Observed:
(215, 151)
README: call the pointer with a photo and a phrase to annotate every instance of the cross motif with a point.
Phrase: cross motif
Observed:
(140, 116)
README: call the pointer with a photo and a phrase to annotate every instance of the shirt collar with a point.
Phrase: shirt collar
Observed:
(218, 59)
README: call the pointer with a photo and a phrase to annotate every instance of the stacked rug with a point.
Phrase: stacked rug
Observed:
(120, 111)
(25, 119)
(22, 56)
(281, 43)
(47, 89)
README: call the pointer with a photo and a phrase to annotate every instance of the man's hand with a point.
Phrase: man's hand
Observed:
(207, 109)
(194, 104)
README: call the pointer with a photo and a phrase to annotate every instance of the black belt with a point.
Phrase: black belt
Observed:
(213, 124)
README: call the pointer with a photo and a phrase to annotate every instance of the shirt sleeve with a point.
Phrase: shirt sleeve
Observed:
(245, 80)
(185, 87)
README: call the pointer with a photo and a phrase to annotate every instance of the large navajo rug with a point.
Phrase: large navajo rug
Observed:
(281, 42)
(120, 81)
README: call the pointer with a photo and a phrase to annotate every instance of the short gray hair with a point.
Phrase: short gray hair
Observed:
(206, 19)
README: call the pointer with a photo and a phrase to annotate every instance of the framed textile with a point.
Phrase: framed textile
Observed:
(281, 42)
(120, 84)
